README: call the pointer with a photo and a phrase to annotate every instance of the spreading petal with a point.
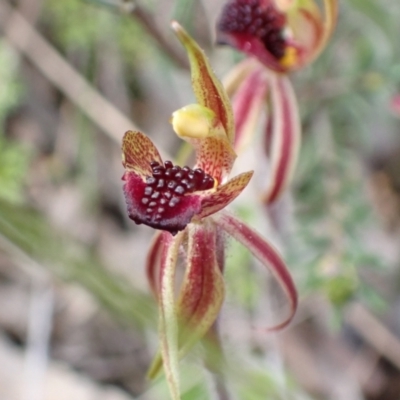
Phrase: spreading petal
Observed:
(265, 253)
(238, 74)
(247, 106)
(168, 323)
(138, 151)
(213, 202)
(200, 127)
(202, 291)
(285, 136)
(207, 88)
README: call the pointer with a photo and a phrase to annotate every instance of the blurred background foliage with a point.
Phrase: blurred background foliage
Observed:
(63, 223)
(14, 157)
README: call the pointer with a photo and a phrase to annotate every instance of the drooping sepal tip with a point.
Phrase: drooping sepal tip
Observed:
(266, 254)
(284, 137)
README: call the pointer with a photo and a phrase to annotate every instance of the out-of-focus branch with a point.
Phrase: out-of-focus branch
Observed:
(148, 23)
(374, 332)
(24, 38)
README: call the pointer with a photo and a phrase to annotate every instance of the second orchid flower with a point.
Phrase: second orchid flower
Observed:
(280, 36)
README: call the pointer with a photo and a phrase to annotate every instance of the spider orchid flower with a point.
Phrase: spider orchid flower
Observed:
(280, 36)
(186, 206)
(284, 35)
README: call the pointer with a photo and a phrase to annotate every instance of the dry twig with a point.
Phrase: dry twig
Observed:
(374, 333)
(147, 21)
(25, 39)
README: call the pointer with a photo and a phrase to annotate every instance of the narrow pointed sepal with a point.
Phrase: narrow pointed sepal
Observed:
(238, 74)
(285, 136)
(266, 254)
(248, 102)
(208, 89)
(168, 321)
(202, 291)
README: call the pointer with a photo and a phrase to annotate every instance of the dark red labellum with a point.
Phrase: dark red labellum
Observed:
(255, 18)
(162, 202)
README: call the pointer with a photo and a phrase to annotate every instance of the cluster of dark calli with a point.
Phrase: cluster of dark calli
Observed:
(262, 21)
(168, 184)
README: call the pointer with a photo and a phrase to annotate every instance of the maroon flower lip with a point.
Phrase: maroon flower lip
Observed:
(249, 19)
(167, 197)
(164, 191)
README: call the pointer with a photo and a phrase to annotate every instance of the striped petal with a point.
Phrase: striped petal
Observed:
(285, 136)
(202, 291)
(238, 74)
(266, 254)
(208, 89)
(247, 104)
(138, 151)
